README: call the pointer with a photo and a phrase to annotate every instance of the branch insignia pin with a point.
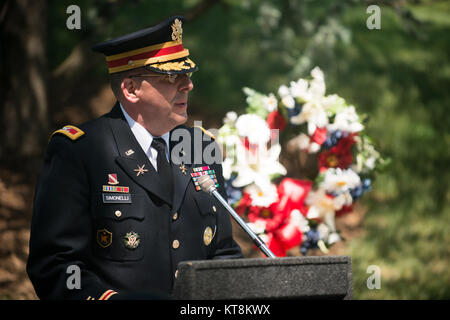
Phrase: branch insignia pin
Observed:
(140, 170)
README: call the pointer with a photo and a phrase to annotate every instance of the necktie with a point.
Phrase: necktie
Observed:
(164, 168)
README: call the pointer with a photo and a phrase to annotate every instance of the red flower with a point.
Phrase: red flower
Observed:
(273, 218)
(339, 156)
(319, 136)
(292, 194)
(344, 210)
(243, 204)
(283, 239)
(290, 235)
(275, 120)
(276, 245)
(282, 234)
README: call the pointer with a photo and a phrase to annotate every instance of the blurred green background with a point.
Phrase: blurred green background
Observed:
(398, 75)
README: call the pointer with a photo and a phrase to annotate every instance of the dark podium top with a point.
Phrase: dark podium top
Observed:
(327, 277)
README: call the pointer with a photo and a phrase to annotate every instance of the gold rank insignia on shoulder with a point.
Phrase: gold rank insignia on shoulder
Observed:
(69, 131)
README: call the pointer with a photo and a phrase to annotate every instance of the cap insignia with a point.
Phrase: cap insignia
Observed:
(177, 30)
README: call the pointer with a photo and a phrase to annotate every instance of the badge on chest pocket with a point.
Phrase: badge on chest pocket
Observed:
(120, 226)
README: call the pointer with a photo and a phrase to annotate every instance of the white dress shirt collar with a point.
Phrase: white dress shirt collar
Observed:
(145, 138)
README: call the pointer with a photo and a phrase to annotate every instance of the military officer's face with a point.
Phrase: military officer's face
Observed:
(160, 101)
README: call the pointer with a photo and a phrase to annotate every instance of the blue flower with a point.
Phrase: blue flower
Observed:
(234, 194)
(356, 192)
(332, 139)
(367, 185)
(292, 112)
(312, 238)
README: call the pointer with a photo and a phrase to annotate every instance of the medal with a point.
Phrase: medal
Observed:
(201, 171)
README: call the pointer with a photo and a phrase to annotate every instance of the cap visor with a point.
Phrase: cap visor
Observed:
(179, 66)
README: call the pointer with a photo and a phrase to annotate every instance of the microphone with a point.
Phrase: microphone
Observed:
(207, 185)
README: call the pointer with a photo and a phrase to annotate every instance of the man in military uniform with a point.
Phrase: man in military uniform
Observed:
(116, 197)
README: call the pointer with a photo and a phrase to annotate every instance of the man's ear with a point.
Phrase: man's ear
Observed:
(129, 90)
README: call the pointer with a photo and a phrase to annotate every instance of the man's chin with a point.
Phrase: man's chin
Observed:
(181, 118)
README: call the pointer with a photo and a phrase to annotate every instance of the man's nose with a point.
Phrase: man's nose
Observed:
(186, 84)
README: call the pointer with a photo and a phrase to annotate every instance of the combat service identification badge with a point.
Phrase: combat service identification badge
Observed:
(104, 238)
(131, 240)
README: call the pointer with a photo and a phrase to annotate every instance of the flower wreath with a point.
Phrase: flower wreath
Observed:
(296, 212)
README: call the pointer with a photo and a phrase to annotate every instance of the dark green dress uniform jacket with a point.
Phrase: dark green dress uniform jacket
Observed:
(73, 224)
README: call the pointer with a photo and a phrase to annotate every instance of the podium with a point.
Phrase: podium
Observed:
(324, 277)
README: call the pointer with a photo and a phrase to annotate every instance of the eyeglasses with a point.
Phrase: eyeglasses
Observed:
(171, 78)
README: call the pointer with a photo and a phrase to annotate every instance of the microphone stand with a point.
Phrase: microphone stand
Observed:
(207, 185)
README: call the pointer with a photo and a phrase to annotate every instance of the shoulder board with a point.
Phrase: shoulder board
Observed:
(69, 131)
(206, 132)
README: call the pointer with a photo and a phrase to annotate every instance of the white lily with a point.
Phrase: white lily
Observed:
(230, 117)
(258, 168)
(227, 168)
(297, 219)
(313, 113)
(258, 227)
(299, 90)
(254, 128)
(346, 120)
(317, 86)
(262, 197)
(304, 142)
(317, 74)
(340, 181)
(320, 205)
(286, 98)
(270, 102)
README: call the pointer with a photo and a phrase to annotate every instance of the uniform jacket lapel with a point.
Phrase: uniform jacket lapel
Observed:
(181, 176)
(131, 161)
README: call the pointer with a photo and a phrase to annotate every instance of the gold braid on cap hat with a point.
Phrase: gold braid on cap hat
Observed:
(176, 65)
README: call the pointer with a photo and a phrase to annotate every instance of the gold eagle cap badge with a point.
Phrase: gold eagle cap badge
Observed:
(177, 30)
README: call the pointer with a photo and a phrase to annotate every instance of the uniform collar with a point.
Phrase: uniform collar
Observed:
(144, 137)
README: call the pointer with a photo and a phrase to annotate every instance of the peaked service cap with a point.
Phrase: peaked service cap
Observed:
(158, 48)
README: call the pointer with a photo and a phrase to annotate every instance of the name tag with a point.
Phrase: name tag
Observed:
(116, 198)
